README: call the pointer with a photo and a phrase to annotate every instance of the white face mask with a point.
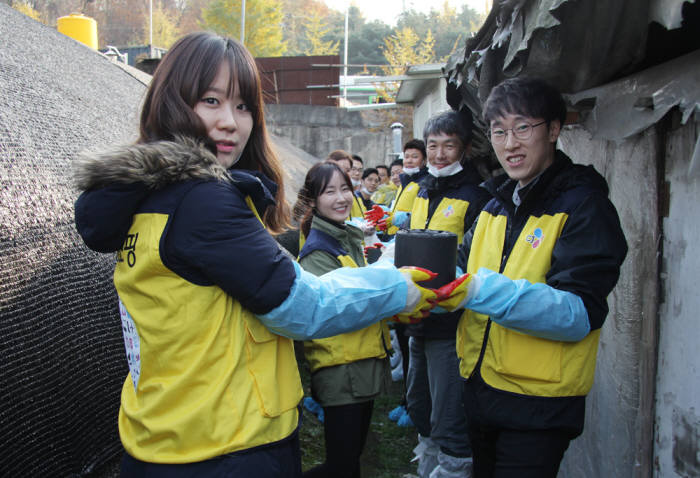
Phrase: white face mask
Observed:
(411, 171)
(355, 183)
(449, 170)
(365, 191)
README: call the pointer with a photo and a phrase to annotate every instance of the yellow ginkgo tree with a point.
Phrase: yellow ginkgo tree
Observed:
(263, 24)
(401, 50)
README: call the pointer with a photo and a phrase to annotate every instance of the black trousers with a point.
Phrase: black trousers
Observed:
(345, 429)
(278, 460)
(402, 339)
(507, 453)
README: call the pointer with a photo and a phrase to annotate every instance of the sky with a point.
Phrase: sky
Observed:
(388, 10)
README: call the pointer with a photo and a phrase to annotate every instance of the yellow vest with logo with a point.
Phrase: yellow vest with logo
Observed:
(513, 361)
(404, 201)
(207, 378)
(448, 216)
(370, 342)
(405, 197)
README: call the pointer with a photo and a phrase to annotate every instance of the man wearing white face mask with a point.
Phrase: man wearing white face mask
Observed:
(449, 199)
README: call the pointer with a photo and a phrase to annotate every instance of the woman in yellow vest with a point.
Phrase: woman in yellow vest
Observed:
(349, 370)
(208, 301)
(543, 256)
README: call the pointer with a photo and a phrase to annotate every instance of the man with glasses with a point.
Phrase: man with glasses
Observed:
(542, 256)
(358, 167)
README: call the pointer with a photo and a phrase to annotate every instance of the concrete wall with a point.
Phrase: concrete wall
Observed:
(618, 431)
(431, 102)
(318, 130)
(678, 384)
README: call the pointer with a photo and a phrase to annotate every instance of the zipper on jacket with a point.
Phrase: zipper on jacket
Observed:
(504, 259)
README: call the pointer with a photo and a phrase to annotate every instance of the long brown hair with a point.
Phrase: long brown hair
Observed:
(317, 178)
(182, 77)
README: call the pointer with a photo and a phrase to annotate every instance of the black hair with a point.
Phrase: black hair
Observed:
(317, 178)
(415, 144)
(450, 123)
(397, 162)
(369, 171)
(357, 158)
(531, 97)
(385, 168)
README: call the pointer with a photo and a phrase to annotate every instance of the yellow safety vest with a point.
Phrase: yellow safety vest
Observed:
(448, 216)
(513, 361)
(207, 377)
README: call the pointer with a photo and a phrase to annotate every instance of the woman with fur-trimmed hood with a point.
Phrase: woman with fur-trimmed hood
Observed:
(209, 303)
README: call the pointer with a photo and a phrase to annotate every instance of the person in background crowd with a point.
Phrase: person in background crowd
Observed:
(414, 170)
(343, 158)
(347, 162)
(449, 199)
(348, 371)
(386, 191)
(395, 170)
(209, 303)
(383, 174)
(370, 181)
(536, 298)
(356, 171)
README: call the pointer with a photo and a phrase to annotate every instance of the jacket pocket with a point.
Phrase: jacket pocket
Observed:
(273, 366)
(524, 356)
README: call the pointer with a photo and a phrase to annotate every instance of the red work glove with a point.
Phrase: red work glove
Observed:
(374, 215)
(453, 295)
(420, 300)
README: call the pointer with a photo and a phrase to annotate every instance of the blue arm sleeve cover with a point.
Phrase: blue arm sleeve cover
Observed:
(534, 309)
(340, 301)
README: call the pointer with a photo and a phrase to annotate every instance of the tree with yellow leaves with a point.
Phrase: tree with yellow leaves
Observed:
(27, 9)
(263, 24)
(316, 29)
(165, 30)
(403, 49)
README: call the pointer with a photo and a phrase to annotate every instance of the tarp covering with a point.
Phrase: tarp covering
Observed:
(575, 44)
(62, 361)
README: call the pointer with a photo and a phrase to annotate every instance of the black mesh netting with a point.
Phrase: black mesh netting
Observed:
(62, 362)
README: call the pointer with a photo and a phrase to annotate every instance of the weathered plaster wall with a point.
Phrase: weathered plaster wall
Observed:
(617, 437)
(318, 130)
(677, 452)
(429, 104)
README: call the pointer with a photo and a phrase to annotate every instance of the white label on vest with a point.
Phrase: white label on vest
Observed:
(131, 343)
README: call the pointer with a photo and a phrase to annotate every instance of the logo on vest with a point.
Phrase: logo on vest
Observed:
(535, 238)
(449, 211)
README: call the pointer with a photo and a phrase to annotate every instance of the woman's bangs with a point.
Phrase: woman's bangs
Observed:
(244, 75)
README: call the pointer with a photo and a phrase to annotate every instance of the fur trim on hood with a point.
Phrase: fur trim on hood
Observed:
(154, 165)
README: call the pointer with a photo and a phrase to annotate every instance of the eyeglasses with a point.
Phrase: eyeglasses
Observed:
(522, 131)
(356, 169)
